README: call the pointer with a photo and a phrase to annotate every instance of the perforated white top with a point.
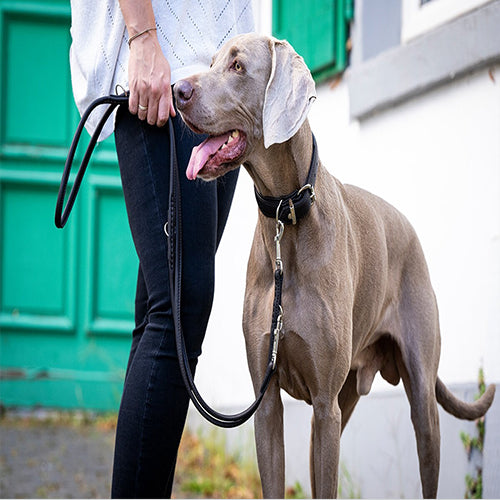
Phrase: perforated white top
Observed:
(189, 32)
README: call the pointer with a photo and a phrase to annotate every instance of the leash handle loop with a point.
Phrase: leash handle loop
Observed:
(61, 215)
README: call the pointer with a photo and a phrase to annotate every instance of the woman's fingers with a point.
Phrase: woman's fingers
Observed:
(157, 110)
(165, 108)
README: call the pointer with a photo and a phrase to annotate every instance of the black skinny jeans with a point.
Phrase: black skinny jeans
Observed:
(155, 402)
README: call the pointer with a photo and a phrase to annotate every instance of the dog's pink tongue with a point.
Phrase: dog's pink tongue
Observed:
(201, 154)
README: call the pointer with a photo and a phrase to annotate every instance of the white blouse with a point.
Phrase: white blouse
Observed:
(189, 32)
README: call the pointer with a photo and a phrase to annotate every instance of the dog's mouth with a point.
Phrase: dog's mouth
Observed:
(216, 155)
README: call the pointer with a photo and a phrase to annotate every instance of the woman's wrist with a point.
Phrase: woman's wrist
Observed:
(140, 34)
(138, 15)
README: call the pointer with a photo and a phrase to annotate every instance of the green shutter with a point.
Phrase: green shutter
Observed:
(66, 296)
(317, 29)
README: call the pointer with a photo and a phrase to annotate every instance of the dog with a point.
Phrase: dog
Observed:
(357, 296)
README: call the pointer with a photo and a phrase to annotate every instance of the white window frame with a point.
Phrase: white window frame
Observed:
(418, 19)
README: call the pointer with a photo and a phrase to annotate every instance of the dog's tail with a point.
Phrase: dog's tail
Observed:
(461, 409)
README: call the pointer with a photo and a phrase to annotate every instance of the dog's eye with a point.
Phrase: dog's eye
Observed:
(237, 66)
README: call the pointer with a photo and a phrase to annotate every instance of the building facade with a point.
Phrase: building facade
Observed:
(408, 107)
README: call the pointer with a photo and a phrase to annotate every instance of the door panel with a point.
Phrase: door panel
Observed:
(66, 296)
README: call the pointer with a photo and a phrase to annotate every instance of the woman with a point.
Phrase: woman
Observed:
(146, 47)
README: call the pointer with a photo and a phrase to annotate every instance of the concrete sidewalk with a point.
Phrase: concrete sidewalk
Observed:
(45, 459)
(51, 454)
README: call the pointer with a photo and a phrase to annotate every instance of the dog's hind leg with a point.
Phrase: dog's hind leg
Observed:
(415, 329)
(425, 420)
(417, 359)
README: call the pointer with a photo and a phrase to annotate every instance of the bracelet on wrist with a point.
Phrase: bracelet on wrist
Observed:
(137, 35)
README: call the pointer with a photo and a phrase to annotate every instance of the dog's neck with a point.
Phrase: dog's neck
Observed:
(282, 168)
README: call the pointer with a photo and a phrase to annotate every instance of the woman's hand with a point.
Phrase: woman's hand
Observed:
(149, 81)
(148, 69)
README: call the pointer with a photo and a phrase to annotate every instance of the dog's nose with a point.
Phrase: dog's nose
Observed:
(183, 92)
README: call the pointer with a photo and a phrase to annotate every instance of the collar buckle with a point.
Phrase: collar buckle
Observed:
(292, 214)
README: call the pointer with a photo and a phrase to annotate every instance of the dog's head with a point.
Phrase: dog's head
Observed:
(257, 90)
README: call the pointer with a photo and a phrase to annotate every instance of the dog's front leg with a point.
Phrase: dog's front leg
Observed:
(325, 448)
(270, 443)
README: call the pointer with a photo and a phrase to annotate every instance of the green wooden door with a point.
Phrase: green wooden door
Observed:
(66, 296)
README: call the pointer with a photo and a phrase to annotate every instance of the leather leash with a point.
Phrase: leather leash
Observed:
(61, 217)
(174, 235)
(175, 261)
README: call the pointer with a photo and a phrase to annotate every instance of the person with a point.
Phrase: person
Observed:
(146, 47)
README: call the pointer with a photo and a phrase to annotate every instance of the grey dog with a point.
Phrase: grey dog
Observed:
(357, 294)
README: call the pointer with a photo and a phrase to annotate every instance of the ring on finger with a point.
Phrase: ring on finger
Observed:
(143, 108)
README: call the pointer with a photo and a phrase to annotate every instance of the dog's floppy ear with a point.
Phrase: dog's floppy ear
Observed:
(289, 94)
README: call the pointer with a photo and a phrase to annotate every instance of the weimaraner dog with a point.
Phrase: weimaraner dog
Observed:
(357, 297)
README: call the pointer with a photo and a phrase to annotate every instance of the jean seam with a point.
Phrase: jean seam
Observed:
(151, 378)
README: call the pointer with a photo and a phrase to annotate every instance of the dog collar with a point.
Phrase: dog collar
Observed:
(292, 207)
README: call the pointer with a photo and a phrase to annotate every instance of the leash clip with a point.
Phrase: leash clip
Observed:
(276, 337)
(280, 227)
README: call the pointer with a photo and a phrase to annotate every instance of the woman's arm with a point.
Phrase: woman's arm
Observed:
(148, 70)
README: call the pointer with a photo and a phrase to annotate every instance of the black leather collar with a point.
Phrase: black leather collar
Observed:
(293, 206)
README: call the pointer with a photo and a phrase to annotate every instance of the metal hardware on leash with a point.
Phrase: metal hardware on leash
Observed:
(280, 228)
(119, 90)
(276, 338)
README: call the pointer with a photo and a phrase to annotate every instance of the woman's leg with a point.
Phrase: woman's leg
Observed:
(141, 309)
(155, 402)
